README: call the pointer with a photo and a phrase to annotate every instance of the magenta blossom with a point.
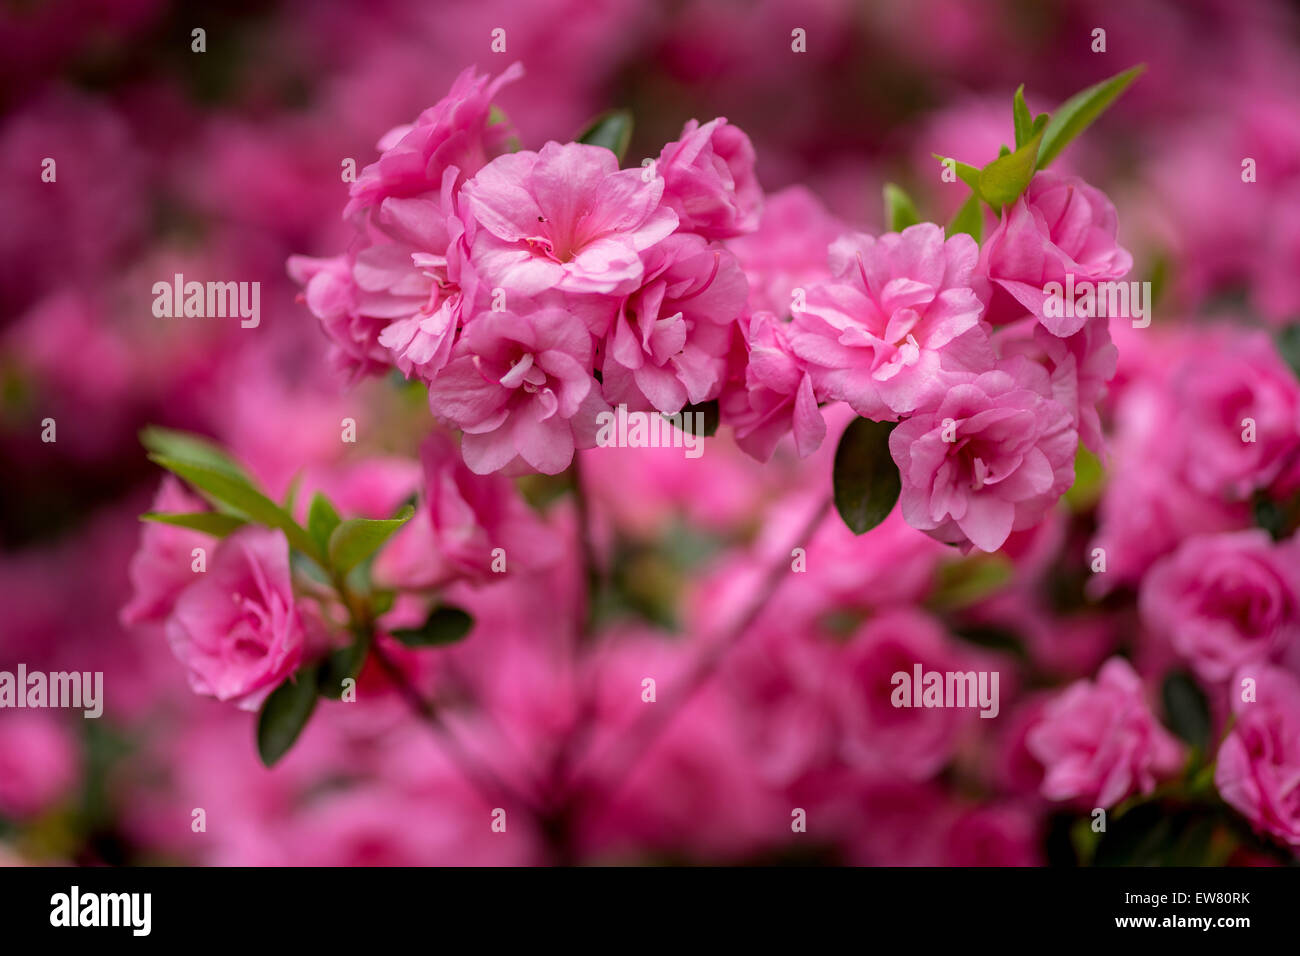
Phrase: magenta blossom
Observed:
(236, 628)
(1258, 769)
(709, 180)
(565, 219)
(1099, 741)
(988, 459)
(1060, 226)
(881, 332)
(668, 344)
(456, 131)
(1226, 600)
(776, 395)
(162, 567)
(520, 386)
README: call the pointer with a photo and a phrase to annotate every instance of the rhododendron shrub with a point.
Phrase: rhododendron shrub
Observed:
(605, 492)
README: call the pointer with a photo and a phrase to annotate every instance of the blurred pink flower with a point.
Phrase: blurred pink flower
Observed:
(39, 763)
(881, 332)
(1258, 768)
(789, 250)
(162, 567)
(1099, 741)
(990, 458)
(1226, 600)
(236, 629)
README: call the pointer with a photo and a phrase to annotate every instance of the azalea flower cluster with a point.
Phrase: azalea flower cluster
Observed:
(532, 290)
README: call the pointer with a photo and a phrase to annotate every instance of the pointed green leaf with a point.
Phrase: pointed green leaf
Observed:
(285, 714)
(242, 497)
(344, 663)
(900, 211)
(968, 219)
(356, 539)
(1003, 180)
(613, 130)
(708, 424)
(1187, 709)
(1078, 112)
(215, 523)
(186, 446)
(866, 482)
(1020, 114)
(444, 625)
(967, 173)
(322, 519)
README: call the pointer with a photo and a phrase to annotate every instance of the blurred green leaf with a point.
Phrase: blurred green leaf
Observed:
(1187, 709)
(613, 130)
(340, 665)
(356, 539)
(322, 519)
(215, 523)
(188, 447)
(444, 625)
(1020, 115)
(284, 715)
(865, 480)
(900, 211)
(1288, 345)
(710, 411)
(1078, 113)
(1003, 180)
(968, 219)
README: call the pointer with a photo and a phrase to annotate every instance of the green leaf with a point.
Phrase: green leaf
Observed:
(1003, 180)
(613, 130)
(968, 219)
(1288, 344)
(322, 519)
(1187, 709)
(710, 411)
(285, 714)
(967, 173)
(215, 523)
(1078, 112)
(340, 665)
(865, 480)
(444, 625)
(1020, 114)
(356, 539)
(900, 211)
(188, 447)
(241, 496)
(962, 583)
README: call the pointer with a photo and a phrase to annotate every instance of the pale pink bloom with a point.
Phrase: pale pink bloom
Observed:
(1099, 741)
(1258, 768)
(788, 251)
(709, 180)
(1060, 226)
(880, 333)
(565, 219)
(877, 737)
(990, 458)
(1226, 600)
(162, 567)
(457, 131)
(668, 343)
(776, 395)
(236, 628)
(459, 525)
(38, 762)
(520, 387)
(347, 317)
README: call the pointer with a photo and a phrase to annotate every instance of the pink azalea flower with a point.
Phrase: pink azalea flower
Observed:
(881, 332)
(1060, 226)
(457, 131)
(38, 763)
(565, 219)
(1226, 600)
(668, 344)
(776, 395)
(1099, 741)
(989, 458)
(162, 567)
(520, 386)
(236, 629)
(332, 295)
(709, 180)
(1258, 769)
